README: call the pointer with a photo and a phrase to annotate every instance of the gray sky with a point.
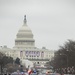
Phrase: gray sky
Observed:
(51, 21)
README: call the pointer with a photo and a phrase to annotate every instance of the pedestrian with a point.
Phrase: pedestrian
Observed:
(29, 72)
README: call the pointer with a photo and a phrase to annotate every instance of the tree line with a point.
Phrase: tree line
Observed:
(64, 57)
(8, 63)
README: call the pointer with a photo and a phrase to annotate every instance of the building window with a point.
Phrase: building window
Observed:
(37, 62)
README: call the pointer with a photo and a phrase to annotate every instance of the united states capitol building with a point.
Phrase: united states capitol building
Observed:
(25, 47)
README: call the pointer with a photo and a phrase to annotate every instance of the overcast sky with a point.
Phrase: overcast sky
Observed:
(52, 21)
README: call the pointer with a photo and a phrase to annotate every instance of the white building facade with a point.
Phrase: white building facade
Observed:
(25, 47)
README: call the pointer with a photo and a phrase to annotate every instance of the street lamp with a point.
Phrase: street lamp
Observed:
(66, 58)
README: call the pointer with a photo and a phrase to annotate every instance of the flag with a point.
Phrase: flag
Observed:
(38, 53)
(42, 54)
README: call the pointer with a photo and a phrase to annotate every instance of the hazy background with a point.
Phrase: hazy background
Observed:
(51, 21)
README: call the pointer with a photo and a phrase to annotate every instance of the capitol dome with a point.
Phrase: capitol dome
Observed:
(24, 36)
(24, 28)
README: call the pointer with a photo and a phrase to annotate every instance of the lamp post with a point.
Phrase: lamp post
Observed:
(66, 59)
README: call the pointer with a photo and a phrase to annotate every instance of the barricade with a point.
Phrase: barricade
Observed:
(5, 74)
(69, 74)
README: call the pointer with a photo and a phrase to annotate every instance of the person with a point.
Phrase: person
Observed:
(22, 73)
(29, 71)
(34, 71)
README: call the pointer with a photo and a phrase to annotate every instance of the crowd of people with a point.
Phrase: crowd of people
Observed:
(26, 72)
(32, 71)
(69, 70)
